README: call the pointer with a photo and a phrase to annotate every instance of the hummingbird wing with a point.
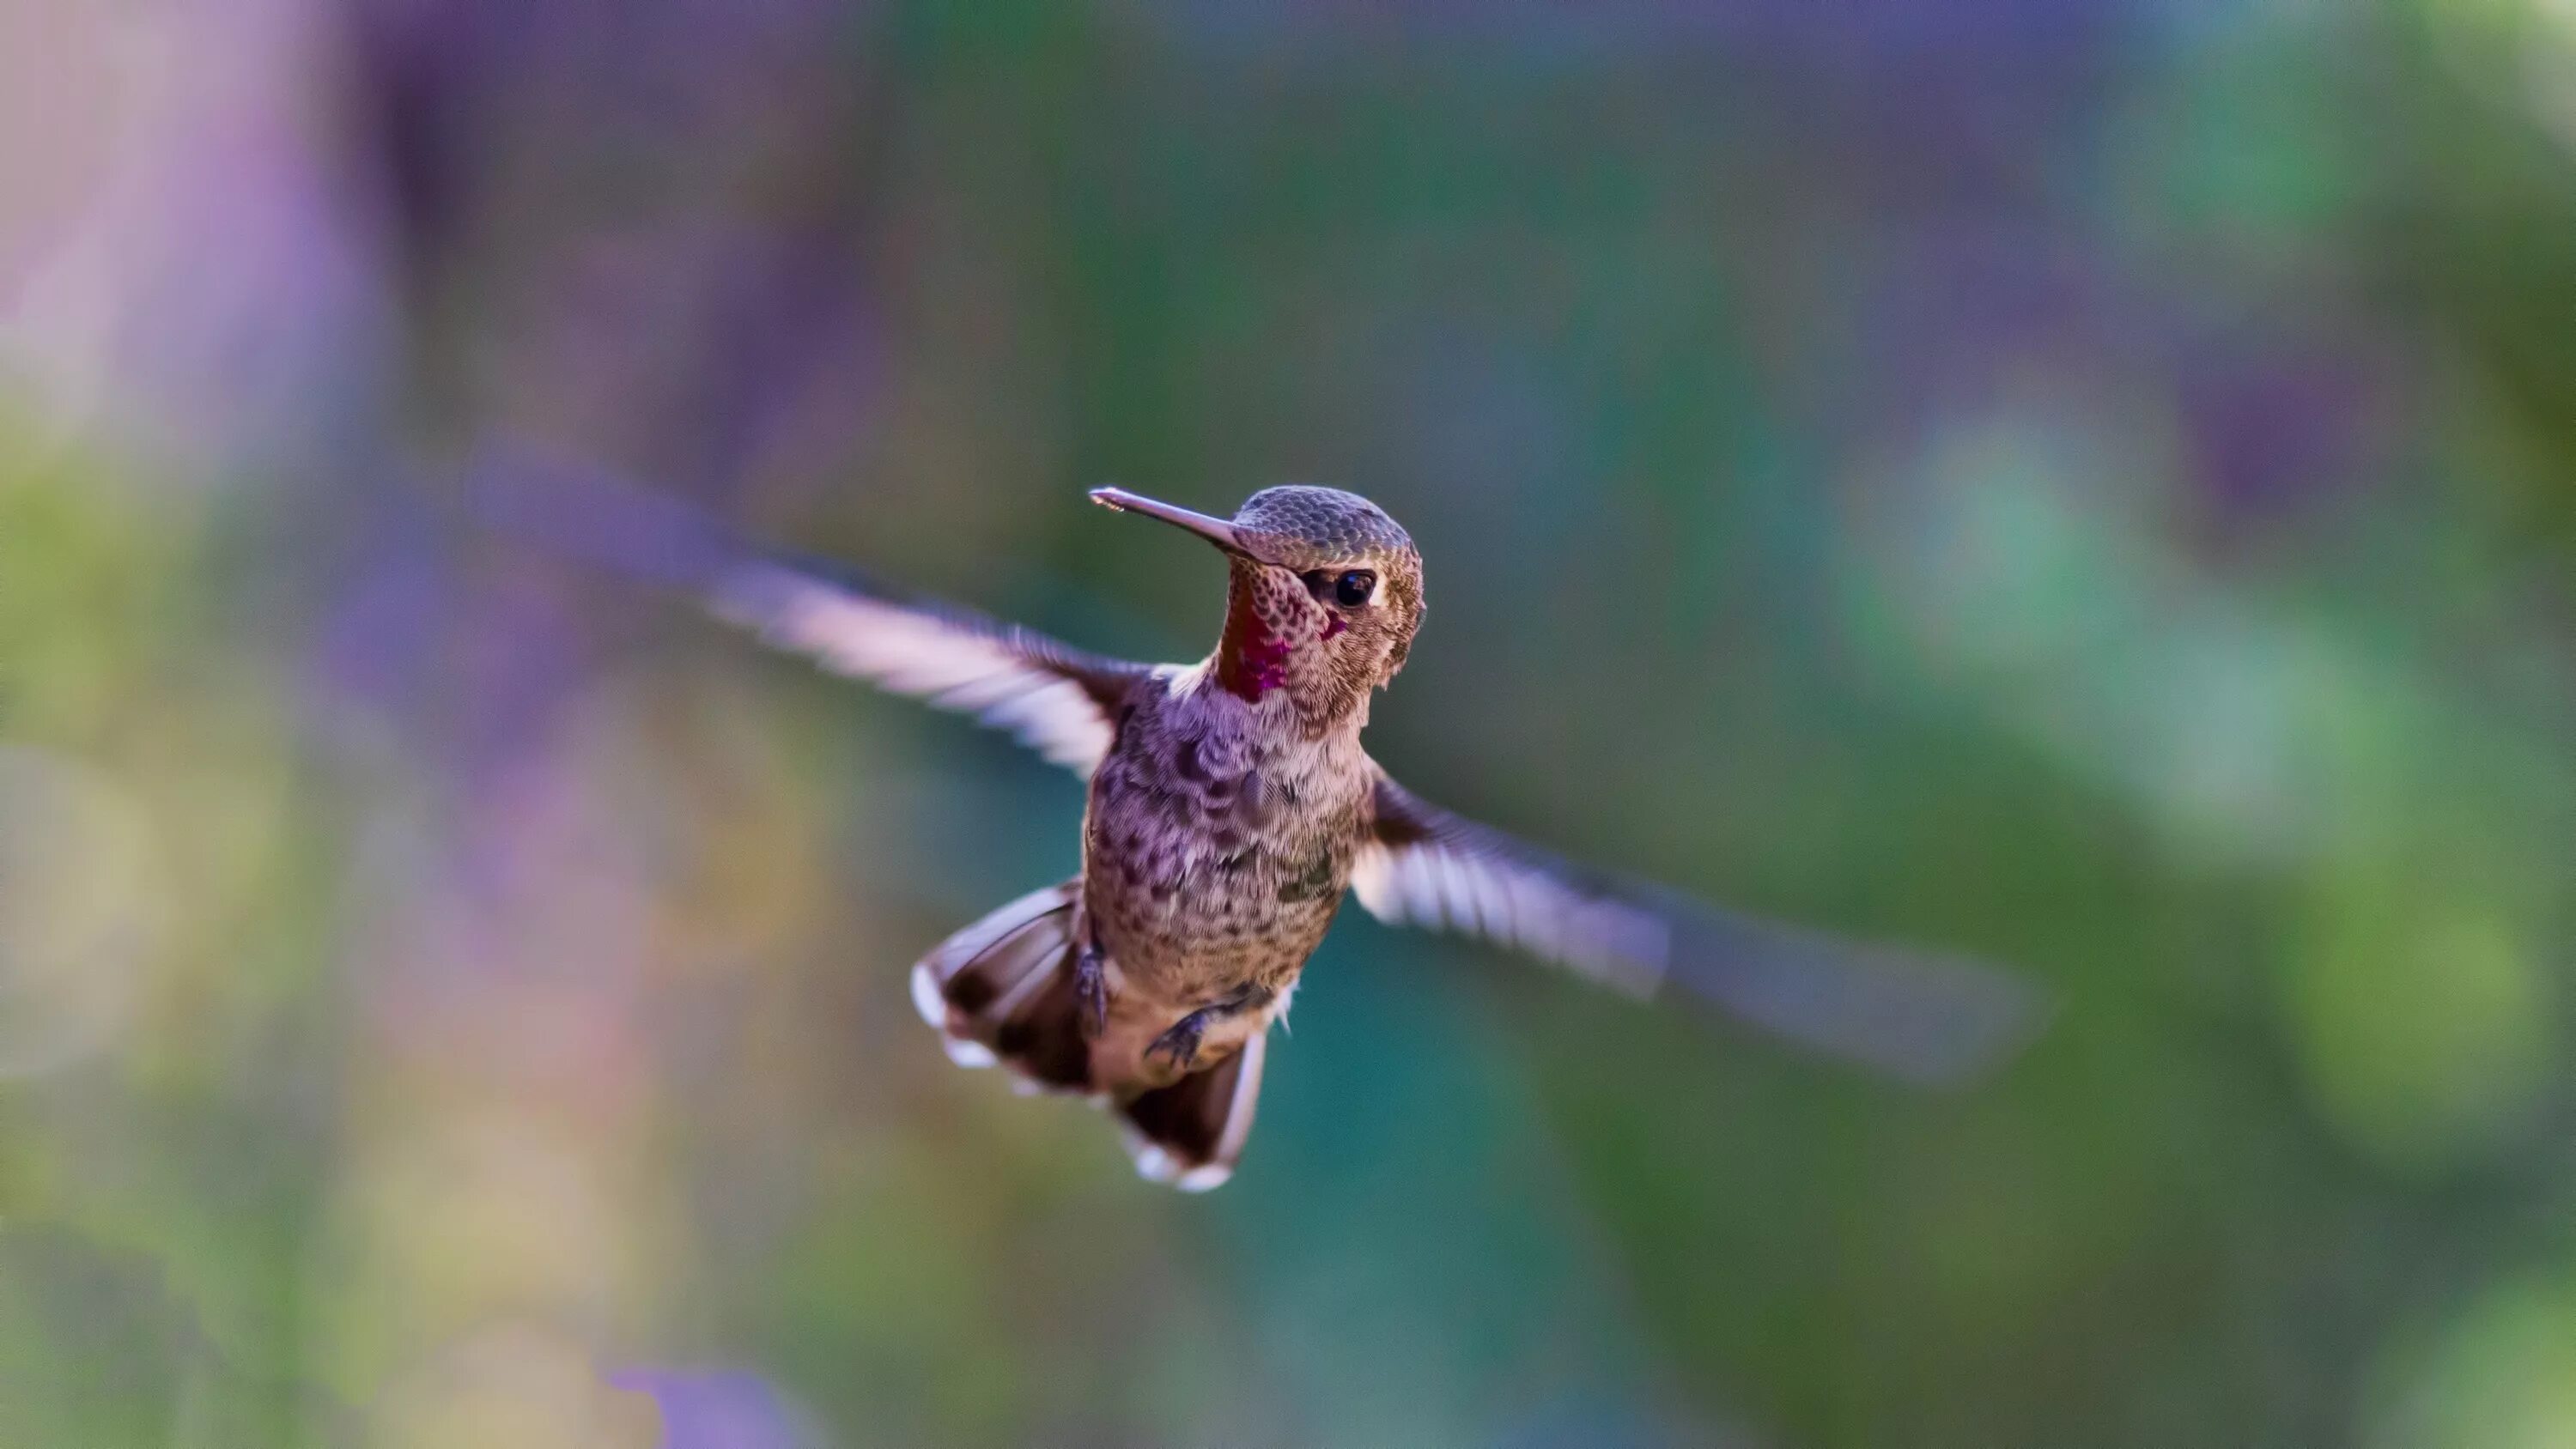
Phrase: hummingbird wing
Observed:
(1059, 700)
(1920, 1016)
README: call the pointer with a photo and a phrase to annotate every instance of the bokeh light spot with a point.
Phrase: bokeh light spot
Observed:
(2426, 1040)
(82, 902)
(2501, 1375)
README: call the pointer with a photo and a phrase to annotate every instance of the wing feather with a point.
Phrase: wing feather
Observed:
(1061, 701)
(1917, 1015)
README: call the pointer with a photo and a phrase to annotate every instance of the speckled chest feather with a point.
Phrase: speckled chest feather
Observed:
(1220, 839)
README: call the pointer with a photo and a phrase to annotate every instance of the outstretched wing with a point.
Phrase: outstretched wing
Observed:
(1923, 1017)
(1060, 701)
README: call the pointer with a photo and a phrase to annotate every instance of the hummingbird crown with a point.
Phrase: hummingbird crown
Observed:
(1323, 526)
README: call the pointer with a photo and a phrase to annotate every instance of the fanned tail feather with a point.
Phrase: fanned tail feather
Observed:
(1001, 992)
(1190, 1133)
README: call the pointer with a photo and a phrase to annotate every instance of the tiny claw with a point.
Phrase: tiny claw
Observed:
(1091, 992)
(1181, 1043)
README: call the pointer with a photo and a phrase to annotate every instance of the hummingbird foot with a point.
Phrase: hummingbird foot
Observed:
(1091, 991)
(1181, 1043)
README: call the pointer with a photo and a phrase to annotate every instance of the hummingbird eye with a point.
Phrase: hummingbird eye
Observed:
(1354, 589)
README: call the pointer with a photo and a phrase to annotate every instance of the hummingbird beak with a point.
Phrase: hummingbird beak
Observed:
(1215, 530)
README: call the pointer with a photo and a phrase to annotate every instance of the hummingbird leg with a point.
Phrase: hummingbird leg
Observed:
(1091, 990)
(1181, 1043)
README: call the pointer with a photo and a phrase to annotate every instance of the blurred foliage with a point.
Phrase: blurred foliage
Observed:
(2082, 481)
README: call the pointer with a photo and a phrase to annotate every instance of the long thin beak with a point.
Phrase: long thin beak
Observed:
(1215, 530)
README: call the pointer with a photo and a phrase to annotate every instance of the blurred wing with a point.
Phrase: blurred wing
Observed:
(1060, 701)
(1922, 1017)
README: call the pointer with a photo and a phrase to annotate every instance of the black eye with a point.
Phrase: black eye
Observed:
(1355, 588)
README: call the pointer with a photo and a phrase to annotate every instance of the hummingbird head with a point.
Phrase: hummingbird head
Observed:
(1325, 600)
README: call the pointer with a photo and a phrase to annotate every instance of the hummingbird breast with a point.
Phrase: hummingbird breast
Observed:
(1219, 841)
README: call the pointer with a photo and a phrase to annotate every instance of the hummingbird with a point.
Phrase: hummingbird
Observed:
(1232, 807)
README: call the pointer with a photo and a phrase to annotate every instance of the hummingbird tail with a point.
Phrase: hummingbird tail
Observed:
(1002, 993)
(1190, 1133)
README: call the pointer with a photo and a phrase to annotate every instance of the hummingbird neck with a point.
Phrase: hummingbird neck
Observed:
(1251, 656)
(1275, 642)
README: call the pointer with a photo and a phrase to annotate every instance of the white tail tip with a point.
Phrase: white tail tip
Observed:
(926, 998)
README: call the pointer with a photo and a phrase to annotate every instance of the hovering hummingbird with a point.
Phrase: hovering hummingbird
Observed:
(1232, 806)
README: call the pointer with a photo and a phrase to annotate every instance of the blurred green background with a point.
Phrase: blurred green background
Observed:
(2085, 482)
